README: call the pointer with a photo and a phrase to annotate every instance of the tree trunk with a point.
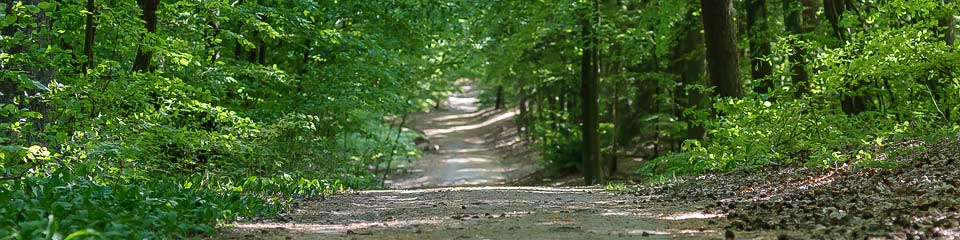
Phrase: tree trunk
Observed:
(757, 24)
(499, 103)
(721, 47)
(589, 72)
(522, 103)
(691, 68)
(238, 47)
(834, 11)
(214, 23)
(947, 27)
(8, 87)
(794, 24)
(252, 55)
(852, 100)
(262, 55)
(948, 31)
(88, 37)
(145, 56)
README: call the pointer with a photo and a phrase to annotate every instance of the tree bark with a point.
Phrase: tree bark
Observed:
(145, 56)
(262, 56)
(721, 46)
(834, 11)
(852, 100)
(88, 37)
(691, 67)
(213, 22)
(794, 23)
(589, 72)
(499, 103)
(522, 103)
(8, 88)
(252, 55)
(757, 24)
(947, 27)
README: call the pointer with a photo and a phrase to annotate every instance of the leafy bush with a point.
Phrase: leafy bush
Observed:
(757, 133)
(68, 203)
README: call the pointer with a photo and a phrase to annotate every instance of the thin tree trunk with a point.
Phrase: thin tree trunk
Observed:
(8, 87)
(88, 37)
(721, 47)
(852, 100)
(396, 142)
(252, 55)
(948, 31)
(262, 55)
(834, 11)
(757, 24)
(522, 105)
(794, 24)
(145, 56)
(593, 172)
(499, 103)
(948, 27)
(691, 68)
(214, 24)
(614, 115)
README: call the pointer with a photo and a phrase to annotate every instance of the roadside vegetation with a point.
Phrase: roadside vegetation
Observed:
(168, 118)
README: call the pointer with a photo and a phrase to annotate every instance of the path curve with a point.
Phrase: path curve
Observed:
(467, 138)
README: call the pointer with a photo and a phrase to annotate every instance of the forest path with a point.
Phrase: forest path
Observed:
(486, 213)
(453, 194)
(467, 138)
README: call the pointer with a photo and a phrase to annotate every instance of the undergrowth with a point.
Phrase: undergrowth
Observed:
(71, 204)
(755, 133)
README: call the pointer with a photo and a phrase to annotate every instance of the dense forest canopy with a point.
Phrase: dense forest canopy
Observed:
(121, 118)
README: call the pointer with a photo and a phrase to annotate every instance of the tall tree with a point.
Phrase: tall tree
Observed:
(213, 33)
(7, 86)
(589, 96)
(948, 26)
(721, 45)
(797, 13)
(834, 10)
(145, 56)
(499, 101)
(691, 67)
(852, 99)
(89, 35)
(947, 30)
(760, 68)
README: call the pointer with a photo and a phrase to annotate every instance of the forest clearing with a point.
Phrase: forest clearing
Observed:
(477, 119)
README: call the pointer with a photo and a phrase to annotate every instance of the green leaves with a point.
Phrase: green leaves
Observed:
(82, 233)
(46, 5)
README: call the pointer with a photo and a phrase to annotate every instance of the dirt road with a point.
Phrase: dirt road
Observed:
(486, 213)
(471, 143)
(453, 194)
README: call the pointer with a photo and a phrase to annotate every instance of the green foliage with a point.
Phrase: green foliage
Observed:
(890, 78)
(246, 106)
(904, 71)
(753, 133)
(68, 204)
